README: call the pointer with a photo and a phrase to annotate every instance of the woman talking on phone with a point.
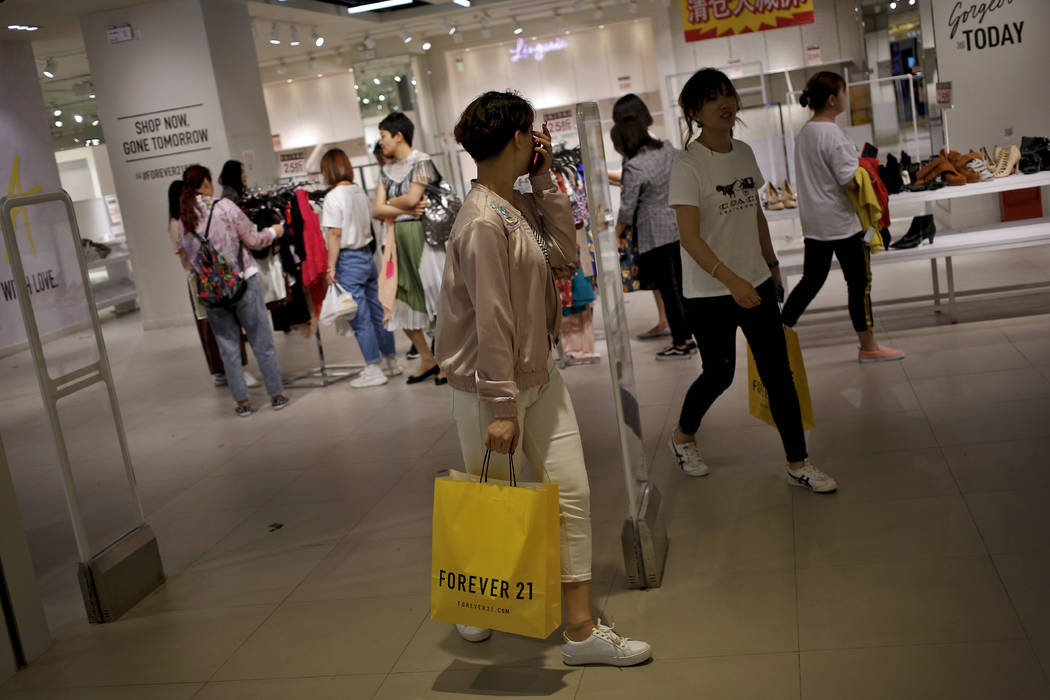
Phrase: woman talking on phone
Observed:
(499, 308)
(730, 276)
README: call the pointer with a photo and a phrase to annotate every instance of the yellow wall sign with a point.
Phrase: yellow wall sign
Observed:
(710, 19)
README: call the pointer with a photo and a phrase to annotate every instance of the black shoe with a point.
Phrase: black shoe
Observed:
(417, 378)
(673, 353)
(869, 151)
(243, 411)
(441, 381)
(412, 354)
(905, 161)
(890, 174)
(922, 228)
(278, 402)
(886, 237)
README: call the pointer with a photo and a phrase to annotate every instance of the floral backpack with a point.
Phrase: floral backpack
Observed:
(218, 284)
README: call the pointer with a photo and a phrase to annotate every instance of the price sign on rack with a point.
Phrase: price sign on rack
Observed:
(292, 164)
(560, 122)
(944, 94)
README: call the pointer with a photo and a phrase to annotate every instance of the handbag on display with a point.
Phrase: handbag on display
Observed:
(443, 204)
(271, 278)
(338, 303)
(496, 554)
(758, 399)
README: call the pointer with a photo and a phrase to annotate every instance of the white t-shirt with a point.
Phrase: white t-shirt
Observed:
(825, 160)
(347, 207)
(724, 186)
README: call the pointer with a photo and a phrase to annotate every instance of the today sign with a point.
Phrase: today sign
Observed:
(524, 50)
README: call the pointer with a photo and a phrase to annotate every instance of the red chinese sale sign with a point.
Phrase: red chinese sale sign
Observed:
(709, 19)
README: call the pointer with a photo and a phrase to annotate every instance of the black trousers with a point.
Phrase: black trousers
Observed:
(662, 266)
(714, 321)
(855, 261)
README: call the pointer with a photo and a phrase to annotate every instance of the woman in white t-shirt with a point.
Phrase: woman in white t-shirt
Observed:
(347, 219)
(730, 277)
(825, 163)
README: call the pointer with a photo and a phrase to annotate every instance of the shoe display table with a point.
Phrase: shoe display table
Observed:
(950, 243)
(115, 287)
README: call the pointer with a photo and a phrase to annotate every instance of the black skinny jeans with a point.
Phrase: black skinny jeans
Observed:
(714, 321)
(855, 261)
(663, 267)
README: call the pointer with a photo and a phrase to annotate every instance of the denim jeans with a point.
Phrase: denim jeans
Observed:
(355, 271)
(714, 321)
(250, 314)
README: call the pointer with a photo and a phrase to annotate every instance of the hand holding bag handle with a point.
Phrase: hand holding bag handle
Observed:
(488, 461)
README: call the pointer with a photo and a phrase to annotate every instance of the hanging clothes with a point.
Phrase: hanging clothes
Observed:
(316, 264)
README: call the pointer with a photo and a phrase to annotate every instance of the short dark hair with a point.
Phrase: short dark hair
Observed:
(631, 106)
(397, 123)
(174, 195)
(705, 85)
(230, 176)
(489, 123)
(335, 167)
(630, 136)
(820, 88)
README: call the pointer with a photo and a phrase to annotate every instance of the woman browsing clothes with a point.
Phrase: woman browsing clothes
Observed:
(730, 276)
(499, 307)
(825, 163)
(228, 230)
(401, 197)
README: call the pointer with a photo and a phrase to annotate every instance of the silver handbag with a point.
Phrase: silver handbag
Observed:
(443, 205)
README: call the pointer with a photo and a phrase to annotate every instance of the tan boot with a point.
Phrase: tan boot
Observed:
(774, 202)
(789, 196)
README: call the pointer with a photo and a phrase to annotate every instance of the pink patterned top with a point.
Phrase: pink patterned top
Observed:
(229, 228)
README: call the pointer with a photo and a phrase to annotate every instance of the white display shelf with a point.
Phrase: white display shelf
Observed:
(114, 293)
(1002, 184)
(117, 288)
(111, 259)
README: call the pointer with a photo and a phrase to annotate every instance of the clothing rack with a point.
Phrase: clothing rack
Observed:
(323, 375)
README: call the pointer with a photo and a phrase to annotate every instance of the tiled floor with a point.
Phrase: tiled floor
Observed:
(926, 576)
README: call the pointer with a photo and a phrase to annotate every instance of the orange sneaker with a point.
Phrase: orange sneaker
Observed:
(883, 354)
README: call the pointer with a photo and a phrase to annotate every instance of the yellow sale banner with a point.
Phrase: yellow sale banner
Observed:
(710, 19)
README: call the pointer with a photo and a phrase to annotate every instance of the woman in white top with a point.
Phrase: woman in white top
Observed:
(346, 217)
(730, 277)
(825, 163)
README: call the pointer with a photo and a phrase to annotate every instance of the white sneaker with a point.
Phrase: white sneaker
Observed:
(250, 380)
(371, 375)
(473, 634)
(809, 477)
(391, 367)
(605, 647)
(688, 457)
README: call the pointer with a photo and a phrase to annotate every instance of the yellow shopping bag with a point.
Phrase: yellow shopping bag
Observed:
(758, 400)
(496, 559)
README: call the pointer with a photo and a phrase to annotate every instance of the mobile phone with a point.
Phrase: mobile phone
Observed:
(780, 295)
(537, 157)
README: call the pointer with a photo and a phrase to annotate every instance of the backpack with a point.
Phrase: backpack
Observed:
(443, 205)
(218, 284)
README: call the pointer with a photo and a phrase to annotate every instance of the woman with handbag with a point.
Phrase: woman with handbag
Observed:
(401, 197)
(347, 220)
(228, 230)
(643, 206)
(499, 308)
(730, 275)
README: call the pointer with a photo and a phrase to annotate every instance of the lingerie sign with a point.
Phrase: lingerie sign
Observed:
(524, 50)
(710, 19)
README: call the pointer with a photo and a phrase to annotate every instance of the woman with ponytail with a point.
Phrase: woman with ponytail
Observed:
(730, 276)
(825, 163)
(228, 230)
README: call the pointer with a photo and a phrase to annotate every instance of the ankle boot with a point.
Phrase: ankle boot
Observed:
(922, 228)
(892, 178)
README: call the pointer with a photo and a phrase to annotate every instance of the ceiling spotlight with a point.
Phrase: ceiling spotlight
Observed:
(58, 123)
(375, 80)
(58, 112)
(275, 35)
(406, 37)
(413, 81)
(517, 25)
(462, 3)
(911, 2)
(282, 67)
(92, 95)
(94, 122)
(397, 78)
(294, 37)
(451, 29)
(893, 6)
(317, 39)
(76, 140)
(426, 46)
(367, 101)
(78, 118)
(381, 5)
(370, 43)
(382, 98)
(49, 68)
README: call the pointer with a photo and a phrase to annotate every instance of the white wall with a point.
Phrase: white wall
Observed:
(312, 111)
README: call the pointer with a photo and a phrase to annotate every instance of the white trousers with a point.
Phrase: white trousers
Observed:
(550, 439)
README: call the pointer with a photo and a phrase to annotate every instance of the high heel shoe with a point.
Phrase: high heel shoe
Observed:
(987, 158)
(789, 197)
(773, 200)
(922, 229)
(1007, 162)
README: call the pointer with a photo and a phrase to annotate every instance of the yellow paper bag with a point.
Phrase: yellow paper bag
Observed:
(758, 400)
(495, 559)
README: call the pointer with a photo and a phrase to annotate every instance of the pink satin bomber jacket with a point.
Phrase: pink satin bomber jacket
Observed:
(498, 299)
